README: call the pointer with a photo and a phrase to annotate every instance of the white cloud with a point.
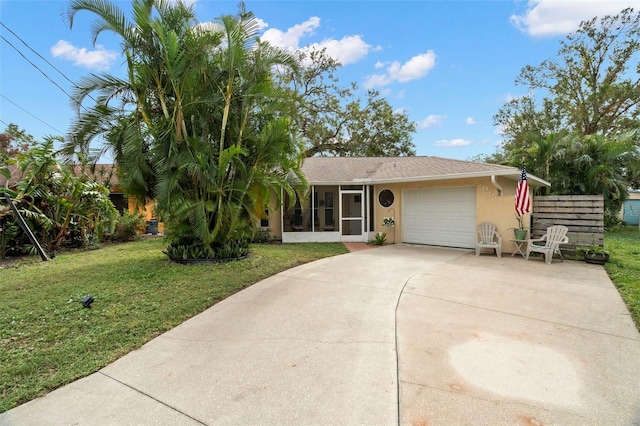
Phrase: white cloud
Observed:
(99, 59)
(185, 2)
(432, 120)
(452, 142)
(347, 50)
(415, 68)
(558, 17)
(470, 121)
(262, 24)
(290, 39)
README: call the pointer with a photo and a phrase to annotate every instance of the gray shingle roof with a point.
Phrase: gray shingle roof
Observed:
(390, 169)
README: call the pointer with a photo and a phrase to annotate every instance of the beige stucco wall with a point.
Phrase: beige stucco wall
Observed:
(147, 211)
(490, 207)
(275, 218)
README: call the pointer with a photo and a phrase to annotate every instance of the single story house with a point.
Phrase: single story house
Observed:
(433, 200)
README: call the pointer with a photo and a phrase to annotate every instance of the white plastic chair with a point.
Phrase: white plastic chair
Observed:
(555, 236)
(488, 237)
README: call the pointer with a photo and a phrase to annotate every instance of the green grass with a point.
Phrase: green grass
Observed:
(624, 266)
(47, 339)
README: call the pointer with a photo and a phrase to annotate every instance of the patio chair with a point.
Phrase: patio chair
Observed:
(487, 237)
(551, 241)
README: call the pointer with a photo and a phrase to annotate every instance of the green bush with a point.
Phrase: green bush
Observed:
(380, 238)
(262, 235)
(128, 226)
(184, 250)
(10, 244)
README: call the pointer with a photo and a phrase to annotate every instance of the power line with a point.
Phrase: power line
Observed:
(43, 122)
(36, 67)
(39, 55)
(42, 57)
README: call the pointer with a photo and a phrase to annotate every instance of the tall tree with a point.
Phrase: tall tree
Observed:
(591, 87)
(14, 141)
(334, 121)
(595, 164)
(196, 124)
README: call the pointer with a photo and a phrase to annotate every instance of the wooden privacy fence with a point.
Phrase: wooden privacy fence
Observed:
(582, 214)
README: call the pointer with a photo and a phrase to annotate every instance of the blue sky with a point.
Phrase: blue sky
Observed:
(450, 65)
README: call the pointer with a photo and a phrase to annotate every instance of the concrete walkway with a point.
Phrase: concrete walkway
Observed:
(395, 335)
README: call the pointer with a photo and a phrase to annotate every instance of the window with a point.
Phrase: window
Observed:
(264, 223)
(386, 198)
(329, 220)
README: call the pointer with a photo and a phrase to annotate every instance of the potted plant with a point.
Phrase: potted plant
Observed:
(520, 232)
(388, 221)
(597, 255)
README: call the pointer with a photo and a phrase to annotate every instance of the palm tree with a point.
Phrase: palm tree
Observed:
(596, 164)
(195, 119)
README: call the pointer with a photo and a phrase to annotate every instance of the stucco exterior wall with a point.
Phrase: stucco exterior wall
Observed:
(275, 219)
(490, 206)
(147, 211)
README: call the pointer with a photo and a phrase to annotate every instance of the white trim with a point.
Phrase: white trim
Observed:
(311, 237)
(509, 174)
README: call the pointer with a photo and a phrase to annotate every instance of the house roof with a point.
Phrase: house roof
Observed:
(350, 170)
(103, 173)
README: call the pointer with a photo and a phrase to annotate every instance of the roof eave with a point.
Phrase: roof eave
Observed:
(509, 174)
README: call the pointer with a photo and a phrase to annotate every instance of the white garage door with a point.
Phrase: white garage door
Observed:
(441, 217)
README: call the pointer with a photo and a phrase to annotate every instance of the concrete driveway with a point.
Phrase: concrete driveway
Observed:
(394, 335)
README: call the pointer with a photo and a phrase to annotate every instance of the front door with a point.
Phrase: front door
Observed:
(352, 215)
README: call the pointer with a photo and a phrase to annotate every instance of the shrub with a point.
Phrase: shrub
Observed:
(186, 251)
(262, 235)
(128, 226)
(380, 238)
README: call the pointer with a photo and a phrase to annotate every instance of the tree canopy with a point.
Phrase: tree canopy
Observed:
(591, 87)
(334, 121)
(583, 134)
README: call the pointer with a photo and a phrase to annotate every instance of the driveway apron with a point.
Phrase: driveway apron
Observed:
(393, 335)
(504, 341)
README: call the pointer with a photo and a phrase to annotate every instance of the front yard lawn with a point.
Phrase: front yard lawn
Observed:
(47, 339)
(624, 266)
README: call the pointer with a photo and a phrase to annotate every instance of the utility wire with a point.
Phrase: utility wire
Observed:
(36, 67)
(42, 57)
(44, 122)
(39, 55)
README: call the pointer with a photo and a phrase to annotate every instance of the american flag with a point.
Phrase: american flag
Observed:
(523, 203)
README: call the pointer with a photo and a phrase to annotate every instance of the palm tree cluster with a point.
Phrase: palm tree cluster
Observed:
(198, 124)
(591, 164)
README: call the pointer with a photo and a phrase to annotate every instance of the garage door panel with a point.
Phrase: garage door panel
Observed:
(444, 217)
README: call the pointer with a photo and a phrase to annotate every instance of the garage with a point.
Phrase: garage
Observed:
(440, 217)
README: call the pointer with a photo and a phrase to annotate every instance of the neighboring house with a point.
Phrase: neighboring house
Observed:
(434, 201)
(631, 208)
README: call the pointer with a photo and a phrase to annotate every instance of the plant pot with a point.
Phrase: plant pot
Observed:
(596, 258)
(521, 234)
